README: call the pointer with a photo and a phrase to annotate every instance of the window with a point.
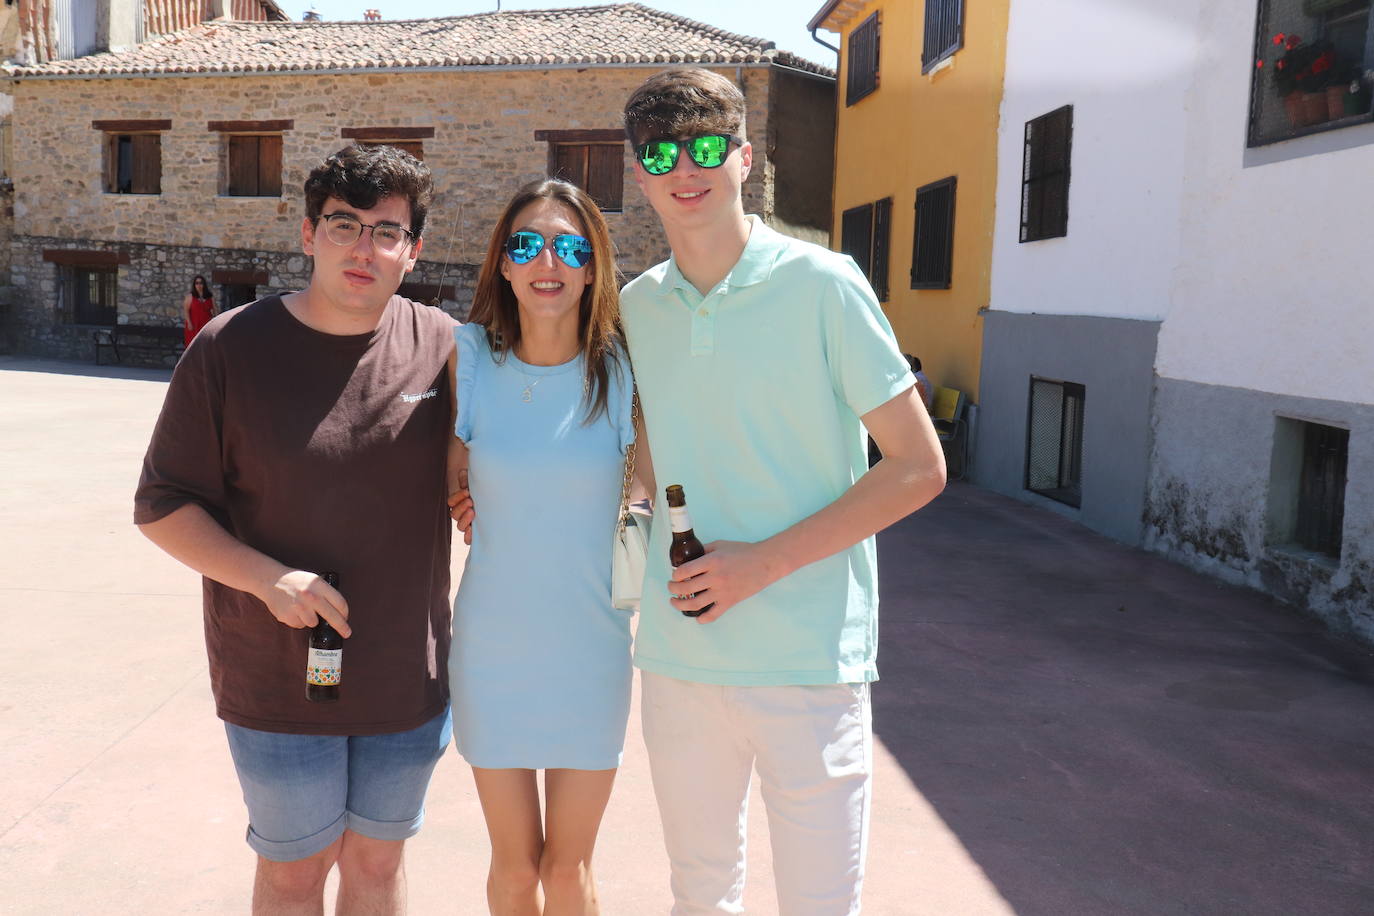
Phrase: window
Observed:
(86, 295)
(1054, 441)
(865, 232)
(862, 75)
(944, 31)
(408, 139)
(1312, 68)
(932, 252)
(252, 157)
(254, 166)
(594, 160)
(132, 155)
(1307, 486)
(1045, 176)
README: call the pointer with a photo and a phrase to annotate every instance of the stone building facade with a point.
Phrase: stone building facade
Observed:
(482, 128)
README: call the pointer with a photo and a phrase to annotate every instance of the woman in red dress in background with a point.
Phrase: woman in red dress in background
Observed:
(197, 308)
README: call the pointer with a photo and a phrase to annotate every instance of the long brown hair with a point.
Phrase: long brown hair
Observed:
(598, 323)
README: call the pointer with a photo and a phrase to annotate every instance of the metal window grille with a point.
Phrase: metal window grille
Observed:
(865, 235)
(1054, 441)
(88, 295)
(1308, 56)
(932, 250)
(944, 31)
(1045, 176)
(862, 72)
(1321, 489)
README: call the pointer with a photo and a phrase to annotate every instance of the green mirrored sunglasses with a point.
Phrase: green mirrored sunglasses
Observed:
(659, 157)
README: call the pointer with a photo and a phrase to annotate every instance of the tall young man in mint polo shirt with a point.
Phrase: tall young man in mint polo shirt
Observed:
(758, 357)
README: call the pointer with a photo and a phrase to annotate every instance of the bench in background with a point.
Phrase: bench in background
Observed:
(156, 339)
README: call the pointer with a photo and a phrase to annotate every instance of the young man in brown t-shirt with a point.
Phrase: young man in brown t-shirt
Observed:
(307, 433)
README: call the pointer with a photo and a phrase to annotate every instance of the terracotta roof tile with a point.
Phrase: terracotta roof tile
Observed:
(621, 33)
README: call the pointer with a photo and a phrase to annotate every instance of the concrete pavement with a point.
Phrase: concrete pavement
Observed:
(1065, 725)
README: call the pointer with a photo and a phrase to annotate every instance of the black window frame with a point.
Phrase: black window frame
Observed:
(862, 60)
(1320, 521)
(1068, 470)
(932, 244)
(1046, 165)
(1325, 25)
(944, 32)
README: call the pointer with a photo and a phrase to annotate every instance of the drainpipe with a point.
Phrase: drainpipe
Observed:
(816, 38)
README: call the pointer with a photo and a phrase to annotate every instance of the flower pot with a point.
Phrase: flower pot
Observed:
(1314, 108)
(1335, 101)
(1292, 106)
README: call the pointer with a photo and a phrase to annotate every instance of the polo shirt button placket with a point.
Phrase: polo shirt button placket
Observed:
(703, 328)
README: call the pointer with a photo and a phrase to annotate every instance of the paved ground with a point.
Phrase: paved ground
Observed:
(1065, 726)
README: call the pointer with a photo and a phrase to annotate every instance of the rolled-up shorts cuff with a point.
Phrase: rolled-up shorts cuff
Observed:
(385, 830)
(295, 850)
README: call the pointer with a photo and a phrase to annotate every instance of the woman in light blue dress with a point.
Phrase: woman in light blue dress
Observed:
(540, 665)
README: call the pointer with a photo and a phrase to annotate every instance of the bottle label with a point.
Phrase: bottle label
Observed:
(324, 667)
(679, 519)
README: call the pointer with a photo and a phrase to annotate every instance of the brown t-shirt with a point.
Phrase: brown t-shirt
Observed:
(326, 453)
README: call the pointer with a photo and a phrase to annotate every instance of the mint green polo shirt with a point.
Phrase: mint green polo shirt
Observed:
(752, 396)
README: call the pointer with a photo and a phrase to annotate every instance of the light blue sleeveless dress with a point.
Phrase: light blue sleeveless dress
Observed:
(539, 670)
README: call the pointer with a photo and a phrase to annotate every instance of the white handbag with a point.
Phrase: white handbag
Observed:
(630, 550)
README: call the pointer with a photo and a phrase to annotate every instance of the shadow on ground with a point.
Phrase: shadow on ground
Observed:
(1109, 733)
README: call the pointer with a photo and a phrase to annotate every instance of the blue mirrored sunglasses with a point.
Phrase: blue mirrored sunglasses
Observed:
(524, 246)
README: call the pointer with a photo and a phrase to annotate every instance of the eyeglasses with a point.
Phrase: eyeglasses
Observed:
(342, 229)
(524, 246)
(659, 157)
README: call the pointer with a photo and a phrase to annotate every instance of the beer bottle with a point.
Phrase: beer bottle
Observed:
(324, 667)
(684, 546)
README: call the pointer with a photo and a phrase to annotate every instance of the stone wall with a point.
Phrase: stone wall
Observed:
(153, 284)
(483, 148)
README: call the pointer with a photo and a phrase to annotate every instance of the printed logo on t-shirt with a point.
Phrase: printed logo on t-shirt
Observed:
(413, 398)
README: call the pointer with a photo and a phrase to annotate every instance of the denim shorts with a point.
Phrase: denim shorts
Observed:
(303, 791)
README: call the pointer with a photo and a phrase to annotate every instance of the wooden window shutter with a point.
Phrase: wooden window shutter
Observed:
(606, 175)
(932, 254)
(862, 71)
(1045, 175)
(111, 163)
(414, 147)
(856, 236)
(570, 163)
(147, 162)
(243, 166)
(882, 238)
(269, 166)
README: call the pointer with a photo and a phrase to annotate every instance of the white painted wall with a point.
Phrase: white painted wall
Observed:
(1125, 66)
(1274, 289)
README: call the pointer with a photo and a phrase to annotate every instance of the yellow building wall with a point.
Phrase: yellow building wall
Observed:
(915, 129)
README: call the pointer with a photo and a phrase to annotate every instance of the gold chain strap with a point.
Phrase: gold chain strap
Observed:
(629, 463)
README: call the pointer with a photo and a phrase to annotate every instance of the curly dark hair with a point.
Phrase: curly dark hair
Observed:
(683, 102)
(362, 175)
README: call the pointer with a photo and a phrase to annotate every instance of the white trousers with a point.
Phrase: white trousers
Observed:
(813, 748)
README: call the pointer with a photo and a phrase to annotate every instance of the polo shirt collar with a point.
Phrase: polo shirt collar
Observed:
(755, 263)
